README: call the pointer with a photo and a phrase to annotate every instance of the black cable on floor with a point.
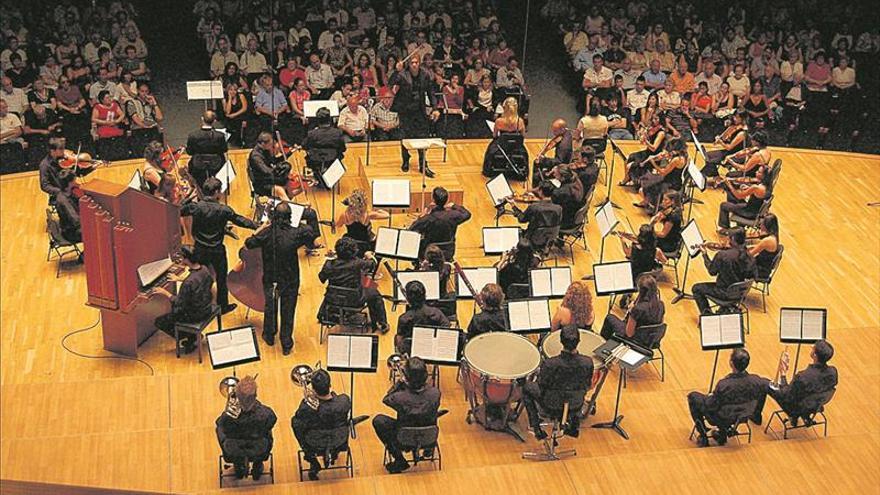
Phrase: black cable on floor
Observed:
(93, 325)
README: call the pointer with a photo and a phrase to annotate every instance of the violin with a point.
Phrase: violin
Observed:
(169, 157)
(728, 134)
(662, 214)
(716, 246)
(83, 161)
(626, 235)
(296, 183)
(186, 186)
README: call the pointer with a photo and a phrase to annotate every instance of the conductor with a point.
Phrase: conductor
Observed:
(207, 147)
(412, 87)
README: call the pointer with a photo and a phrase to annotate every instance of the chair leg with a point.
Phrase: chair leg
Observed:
(177, 342)
(764, 300)
(662, 366)
(199, 345)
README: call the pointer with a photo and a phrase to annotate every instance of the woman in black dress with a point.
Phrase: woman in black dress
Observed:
(767, 248)
(643, 253)
(654, 141)
(663, 177)
(357, 220)
(647, 309)
(744, 200)
(515, 265)
(732, 141)
(667, 222)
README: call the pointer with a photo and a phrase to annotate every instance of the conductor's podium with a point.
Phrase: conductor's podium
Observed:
(388, 167)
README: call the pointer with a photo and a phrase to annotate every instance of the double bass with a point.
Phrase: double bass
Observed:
(245, 280)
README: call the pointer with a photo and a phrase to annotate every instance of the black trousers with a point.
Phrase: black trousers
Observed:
(613, 326)
(287, 297)
(389, 135)
(166, 322)
(728, 207)
(386, 430)
(216, 259)
(413, 125)
(376, 307)
(700, 413)
(532, 397)
(703, 290)
(310, 452)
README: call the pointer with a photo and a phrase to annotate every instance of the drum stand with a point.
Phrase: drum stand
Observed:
(614, 424)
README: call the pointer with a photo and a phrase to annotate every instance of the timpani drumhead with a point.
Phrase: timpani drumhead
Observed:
(502, 355)
(552, 345)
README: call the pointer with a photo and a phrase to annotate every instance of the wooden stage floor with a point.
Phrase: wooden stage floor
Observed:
(112, 423)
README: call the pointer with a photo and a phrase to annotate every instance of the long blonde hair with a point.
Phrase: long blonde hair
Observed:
(510, 109)
(579, 301)
(357, 206)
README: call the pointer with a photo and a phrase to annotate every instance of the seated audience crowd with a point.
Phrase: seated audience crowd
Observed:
(76, 71)
(796, 77)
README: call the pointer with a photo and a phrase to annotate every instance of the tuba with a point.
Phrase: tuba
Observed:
(395, 363)
(301, 376)
(227, 390)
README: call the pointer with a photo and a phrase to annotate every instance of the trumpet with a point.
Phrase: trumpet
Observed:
(782, 368)
(301, 376)
(395, 363)
(227, 390)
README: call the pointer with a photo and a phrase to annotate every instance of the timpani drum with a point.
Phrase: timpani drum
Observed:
(551, 346)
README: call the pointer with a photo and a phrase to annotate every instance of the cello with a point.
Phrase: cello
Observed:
(245, 280)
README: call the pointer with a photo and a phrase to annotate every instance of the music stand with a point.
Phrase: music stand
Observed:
(438, 346)
(549, 282)
(232, 346)
(607, 220)
(352, 353)
(802, 325)
(422, 146)
(398, 244)
(391, 193)
(331, 178)
(499, 190)
(429, 279)
(529, 315)
(311, 107)
(627, 358)
(691, 238)
(479, 278)
(612, 279)
(615, 150)
(725, 331)
(499, 240)
(226, 175)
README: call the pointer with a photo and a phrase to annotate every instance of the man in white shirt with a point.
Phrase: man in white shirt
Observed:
(252, 62)
(637, 97)
(325, 39)
(222, 56)
(708, 76)
(584, 58)
(598, 76)
(353, 120)
(12, 47)
(15, 98)
(510, 77)
(628, 74)
(668, 97)
(319, 78)
(102, 84)
(90, 51)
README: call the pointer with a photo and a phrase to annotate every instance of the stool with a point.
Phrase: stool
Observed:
(195, 329)
(557, 425)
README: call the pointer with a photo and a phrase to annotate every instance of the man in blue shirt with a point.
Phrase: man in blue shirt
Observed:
(583, 60)
(654, 78)
(270, 104)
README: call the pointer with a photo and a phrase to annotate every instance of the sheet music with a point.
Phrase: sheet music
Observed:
(691, 237)
(541, 282)
(232, 346)
(696, 175)
(606, 218)
(391, 192)
(721, 330)
(699, 146)
(731, 328)
(226, 175)
(561, 279)
(801, 324)
(556, 183)
(479, 278)
(499, 189)
(226, 133)
(710, 331)
(613, 277)
(631, 357)
(311, 107)
(408, 244)
(790, 324)
(491, 125)
(518, 315)
(423, 143)
(539, 314)
(813, 324)
(296, 212)
(137, 181)
(349, 351)
(497, 240)
(431, 281)
(333, 173)
(386, 241)
(435, 344)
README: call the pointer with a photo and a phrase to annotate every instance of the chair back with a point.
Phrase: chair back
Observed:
(580, 216)
(553, 401)
(775, 266)
(737, 292)
(517, 291)
(815, 401)
(649, 336)
(448, 249)
(544, 236)
(676, 252)
(53, 227)
(510, 141)
(598, 144)
(345, 297)
(775, 170)
(329, 440)
(417, 437)
(765, 209)
(731, 414)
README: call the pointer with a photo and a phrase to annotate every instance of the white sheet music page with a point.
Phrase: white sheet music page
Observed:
(631, 357)
(731, 329)
(710, 331)
(541, 282)
(391, 192)
(334, 173)
(539, 314)
(813, 324)
(431, 281)
(691, 237)
(136, 180)
(234, 345)
(386, 241)
(622, 275)
(479, 278)
(361, 355)
(422, 343)
(339, 351)
(790, 324)
(225, 175)
(606, 218)
(696, 175)
(604, 278)
(518, 313)
(560, 280)
(446, 345)
(296, 214)
(500, 239)
(499, 189)
(408, 244)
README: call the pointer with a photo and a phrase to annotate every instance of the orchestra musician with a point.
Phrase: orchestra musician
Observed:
(732, 141)
(67, 205)
(586, 168)
(279, 243)
(210, 219)
(248, 438)
(731, 265)
(665, 173)
(568, 372)
(268, 171)
(416, 404)
(332, 412)
(745, 200)
(435, 261)
(818, 377)
(193, 300)
(654, 141)
(561, 143)
(667, 222)
(766, 248)
(542, 215)
(737, 387)
(50, 168)
(576, 308)
(439, 221)
(207, 148)
(515, 265)
(569, 195)
(642, 251)
(417, 313)
(647, 309)
(347, 270)
(747, 162)
(412, 87)
(491, 318)
(357, 219)
(154, 170)
(324, 144)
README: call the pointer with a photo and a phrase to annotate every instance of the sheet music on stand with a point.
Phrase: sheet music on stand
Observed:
(802, 325)
(137, 181)
(478, 277)
(391, 193)
(222, 130)
(204, 90)
(311, 107)
(700, 148)
(499, 240)
(499, 189)
(613, 278)
(723, 331)
(436, 345)
(606, 218)
(691, 236)
(550, 282)
(334, 173)
(491, 125)
(696, 175)
(423, 143)
(226, 175)
(149, 272)
(296, 211)
(431, 281)
(529, 315)
(628, 356)
(232, 346)
(398, 243)
(353, 353)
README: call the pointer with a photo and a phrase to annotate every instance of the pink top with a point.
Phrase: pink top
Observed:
(818, 73)
(368, 77)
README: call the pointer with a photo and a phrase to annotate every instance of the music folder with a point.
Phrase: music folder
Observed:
(549, 282)
(437, 345)
(696, 175)
(802, 325)
(354, 353)
(296, 211)
(606, 218)
(691, 236)
(431, 281)
(499, 189)
(499, 240)
(398, 243)
(529, 315)
(333, 174)
(478, 277)
(137, 181)
(613, 278)
(391, 193)
(232, 346)
(311, 107)
(628, 355)
(722, 331)
(226, 176)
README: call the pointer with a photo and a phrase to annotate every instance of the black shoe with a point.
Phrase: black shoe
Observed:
(397, 466)
(428, 452)
(383, 328)
(404, 167)
(702, 441)
(257, 470)
(189, 346)
(572, 432)
(314, 469)
(794, 421)
(287, 351)
(241, 471)
(539, 432)
(270, 341)
(228, 308)
(429, 173)
(719, 436)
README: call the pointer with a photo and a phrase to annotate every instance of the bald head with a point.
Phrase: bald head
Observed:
(558, 126)
(209, 117)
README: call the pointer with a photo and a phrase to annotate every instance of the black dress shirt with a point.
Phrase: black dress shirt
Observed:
(262, 166)
(324, 144)
(568, 198)
(491, 320)
(206, 147)
(414, 407)
(280, 244)
(412, 91)
(568, 371)
(255, 424)
(209, 222)
(564, 148)
(193, 300)
(731, 266)
(426, 315)
(814, 379)
(332, 413)
(49, 171)
(736, 388)
(538, 215)
(440, 224)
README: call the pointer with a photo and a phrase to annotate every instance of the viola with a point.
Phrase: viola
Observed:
(73, 160)
(245, 280)
(169, 157)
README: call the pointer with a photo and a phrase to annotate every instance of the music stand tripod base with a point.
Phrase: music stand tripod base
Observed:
(614, 425)
(680, 294)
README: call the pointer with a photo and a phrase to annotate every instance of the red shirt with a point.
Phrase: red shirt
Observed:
(287, 76)
(108, 113)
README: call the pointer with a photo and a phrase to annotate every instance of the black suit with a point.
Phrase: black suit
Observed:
(425, 315)
(730, 266)
(348, 273)
(266, 171)
(50, 183)
(67, 206)
(490, 320)
(816, 378)
(413, 408)
(331, 414)
(324, 145)
(440, 225)
(192, 302)
(207, 148)
(735, 388)
(247, 438)
(570, 197)
(409, 103)
(539, 215)
(567, 372)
